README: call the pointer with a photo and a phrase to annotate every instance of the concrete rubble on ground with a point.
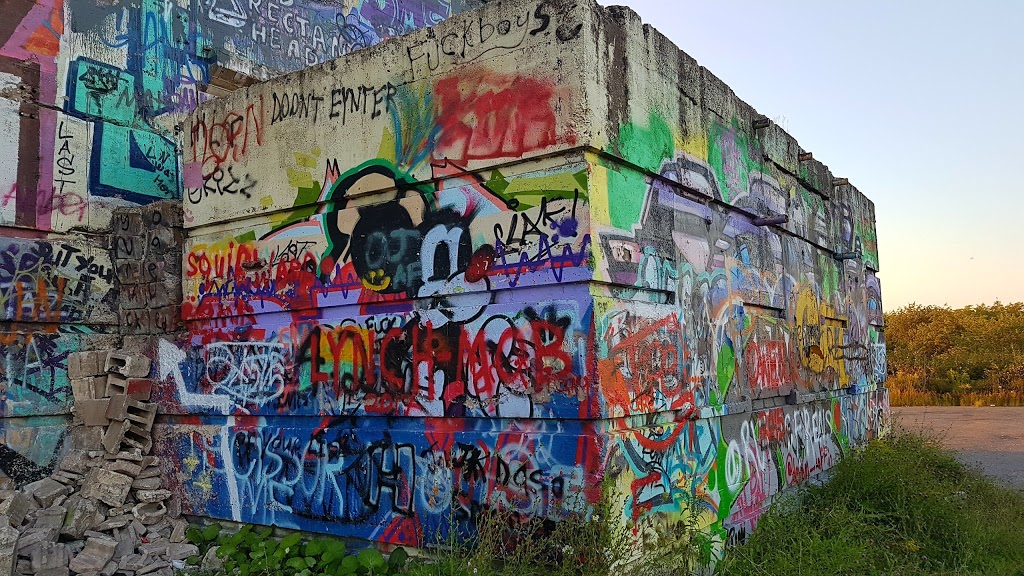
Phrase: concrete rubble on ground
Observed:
(104, 510)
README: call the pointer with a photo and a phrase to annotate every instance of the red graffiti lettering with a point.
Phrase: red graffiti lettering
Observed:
(217, 140)
(494, 116)
(768, 366)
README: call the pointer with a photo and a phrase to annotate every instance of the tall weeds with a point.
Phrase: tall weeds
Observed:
(911, 390)
(596, 543)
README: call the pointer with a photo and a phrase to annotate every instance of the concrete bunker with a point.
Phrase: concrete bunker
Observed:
(528, 252)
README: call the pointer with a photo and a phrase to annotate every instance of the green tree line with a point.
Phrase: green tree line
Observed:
(962, 356)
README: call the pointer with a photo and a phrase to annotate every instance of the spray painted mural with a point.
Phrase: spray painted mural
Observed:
(54, 296)
(99, 85)
(415, 292)
(89, 94)
(51, 293)
(510, 262)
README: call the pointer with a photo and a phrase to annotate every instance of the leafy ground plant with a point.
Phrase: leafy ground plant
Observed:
(902, 506)
(252, 552)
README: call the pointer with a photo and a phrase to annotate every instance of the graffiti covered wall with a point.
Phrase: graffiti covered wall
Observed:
(530, 254)
(89, 96)
(90, 90)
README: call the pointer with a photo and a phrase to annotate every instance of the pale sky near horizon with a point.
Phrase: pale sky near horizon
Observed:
(920, 104)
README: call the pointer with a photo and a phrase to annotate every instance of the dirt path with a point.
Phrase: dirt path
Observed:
(990, 437)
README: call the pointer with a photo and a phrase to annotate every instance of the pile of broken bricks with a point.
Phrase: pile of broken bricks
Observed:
(112, 398)
(104, 509)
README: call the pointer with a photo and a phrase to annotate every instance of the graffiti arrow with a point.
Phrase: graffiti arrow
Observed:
(171, 358)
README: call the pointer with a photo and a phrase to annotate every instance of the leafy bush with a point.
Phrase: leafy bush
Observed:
(252, 552)
(966, 356)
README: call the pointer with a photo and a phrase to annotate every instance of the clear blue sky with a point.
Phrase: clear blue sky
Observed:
(919, 104)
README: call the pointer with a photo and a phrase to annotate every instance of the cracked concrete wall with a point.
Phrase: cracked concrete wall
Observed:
(500, 262)
(89, 95)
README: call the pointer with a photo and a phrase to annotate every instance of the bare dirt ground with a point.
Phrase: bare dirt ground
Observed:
(992, 438)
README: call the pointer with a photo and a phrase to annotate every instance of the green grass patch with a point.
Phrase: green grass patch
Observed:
(902, 506)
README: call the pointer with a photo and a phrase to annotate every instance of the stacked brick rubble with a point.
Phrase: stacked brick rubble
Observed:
(104, 509)
(146, 248)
